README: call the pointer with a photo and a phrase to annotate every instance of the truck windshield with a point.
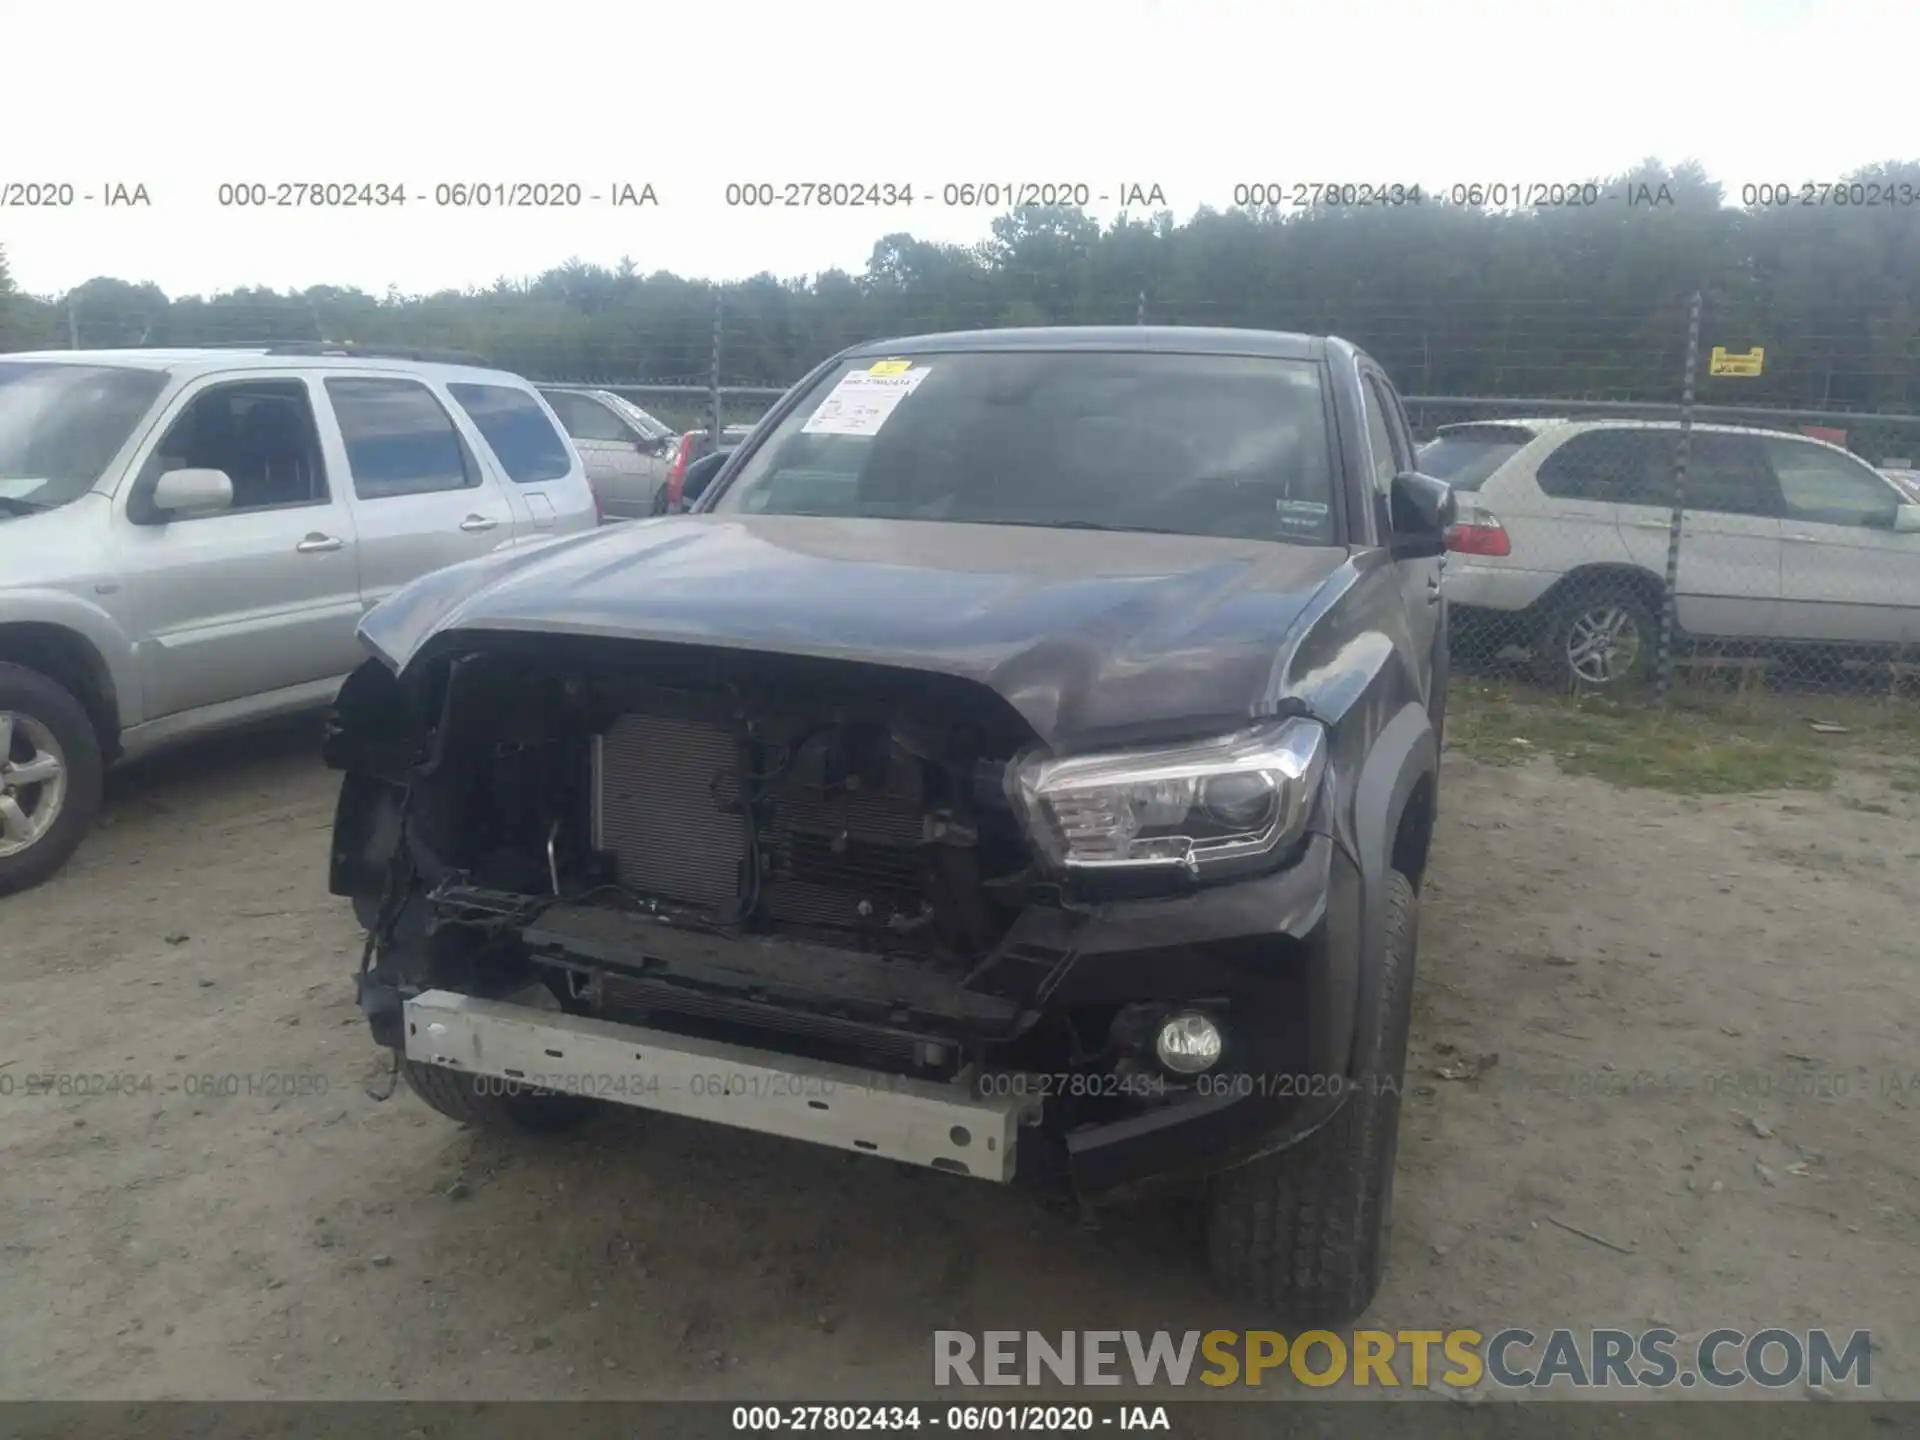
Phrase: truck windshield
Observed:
(61, 425)
(1186, 444)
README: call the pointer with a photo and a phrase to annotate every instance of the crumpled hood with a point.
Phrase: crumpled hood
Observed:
(1080, 631)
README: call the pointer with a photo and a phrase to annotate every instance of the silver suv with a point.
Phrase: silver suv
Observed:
(188, 539)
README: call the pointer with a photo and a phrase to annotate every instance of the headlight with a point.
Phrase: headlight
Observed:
(1185, 807)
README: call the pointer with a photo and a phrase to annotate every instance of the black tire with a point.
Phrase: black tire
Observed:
(1302, 1233)
(487, 1104)
(1583, 606)
(47, 705)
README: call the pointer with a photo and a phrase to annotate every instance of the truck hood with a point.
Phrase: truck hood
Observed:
(1081, 632)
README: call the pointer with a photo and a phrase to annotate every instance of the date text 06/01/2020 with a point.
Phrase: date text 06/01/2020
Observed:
(970, 194)
(965, 1419)
(607, 1085)
(443, 195)
(1237, 1083)
(217, 1085)
(718, 1084)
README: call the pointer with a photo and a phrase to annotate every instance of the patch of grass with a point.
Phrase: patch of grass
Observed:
(1701, 743)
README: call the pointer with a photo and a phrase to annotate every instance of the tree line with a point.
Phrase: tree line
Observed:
(1576, 301)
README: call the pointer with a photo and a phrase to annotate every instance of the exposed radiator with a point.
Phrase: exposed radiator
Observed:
(845, 857)
(664, 794)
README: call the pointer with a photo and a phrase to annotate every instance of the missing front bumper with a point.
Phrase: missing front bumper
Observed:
(943, 1127)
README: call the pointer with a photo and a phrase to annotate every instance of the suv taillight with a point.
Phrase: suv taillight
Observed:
(677, 476)
(1478, 533)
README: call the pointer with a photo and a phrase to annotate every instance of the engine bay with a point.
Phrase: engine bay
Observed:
(741, 841)
(890, 835)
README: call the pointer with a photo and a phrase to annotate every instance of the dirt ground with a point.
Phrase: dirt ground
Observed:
(1704, 1013)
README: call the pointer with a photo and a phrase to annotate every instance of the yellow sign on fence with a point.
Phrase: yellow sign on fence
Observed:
(1724, 364)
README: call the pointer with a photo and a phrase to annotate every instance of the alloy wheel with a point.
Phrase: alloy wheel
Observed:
(1603, 644)
(33, 782)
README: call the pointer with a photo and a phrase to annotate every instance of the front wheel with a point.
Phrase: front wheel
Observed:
(1303, 1232)
(51, 774)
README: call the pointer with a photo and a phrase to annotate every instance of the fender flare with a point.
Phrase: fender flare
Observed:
(101, 645)
(1405, 753)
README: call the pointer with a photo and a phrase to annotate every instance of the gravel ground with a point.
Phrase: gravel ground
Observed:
(1703, 1015)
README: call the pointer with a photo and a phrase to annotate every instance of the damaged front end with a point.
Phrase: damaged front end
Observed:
(762, 856)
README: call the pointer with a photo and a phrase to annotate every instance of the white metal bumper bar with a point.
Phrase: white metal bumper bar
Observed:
(944, 1127)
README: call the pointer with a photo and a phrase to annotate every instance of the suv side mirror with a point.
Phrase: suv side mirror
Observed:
(192, 490)
(1906, 520)
(700, 475)
(1421, 510)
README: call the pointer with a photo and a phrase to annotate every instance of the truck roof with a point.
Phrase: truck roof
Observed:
(1169, 339)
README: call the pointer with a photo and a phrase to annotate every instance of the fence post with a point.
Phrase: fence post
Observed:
(1140, 310)
(1674, 521)
(713, 378)
(73, 325)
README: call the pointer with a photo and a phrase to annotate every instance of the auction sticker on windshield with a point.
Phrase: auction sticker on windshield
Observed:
(861, 403)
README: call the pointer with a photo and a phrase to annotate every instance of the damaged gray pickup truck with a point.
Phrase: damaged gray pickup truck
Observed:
(1021, 763)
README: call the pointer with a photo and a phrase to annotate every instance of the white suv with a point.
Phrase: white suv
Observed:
(188, 539)
(1561, 546)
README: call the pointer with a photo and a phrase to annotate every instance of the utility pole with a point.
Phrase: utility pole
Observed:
(1664, 679)
(713, 378)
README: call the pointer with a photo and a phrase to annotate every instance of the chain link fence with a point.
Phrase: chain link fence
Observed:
(1625, 546)
(1618, 533)
(1612, 546)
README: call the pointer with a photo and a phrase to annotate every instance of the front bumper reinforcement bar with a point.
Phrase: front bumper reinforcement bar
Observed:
(941, 1126)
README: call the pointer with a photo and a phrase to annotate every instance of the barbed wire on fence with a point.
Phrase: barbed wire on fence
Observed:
(1792, 565)
(1523, 347)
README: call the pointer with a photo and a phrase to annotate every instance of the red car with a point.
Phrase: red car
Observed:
(694, 445)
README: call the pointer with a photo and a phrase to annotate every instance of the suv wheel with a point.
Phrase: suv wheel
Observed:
(1303, 1232)
(487, 1104)
(50, 777)
(1604, 639)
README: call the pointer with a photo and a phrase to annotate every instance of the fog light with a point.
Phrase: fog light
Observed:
(1188, 1043)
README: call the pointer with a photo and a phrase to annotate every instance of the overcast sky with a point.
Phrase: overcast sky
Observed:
(1192, 95)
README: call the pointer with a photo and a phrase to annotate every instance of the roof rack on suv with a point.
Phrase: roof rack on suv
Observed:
(344, 347)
